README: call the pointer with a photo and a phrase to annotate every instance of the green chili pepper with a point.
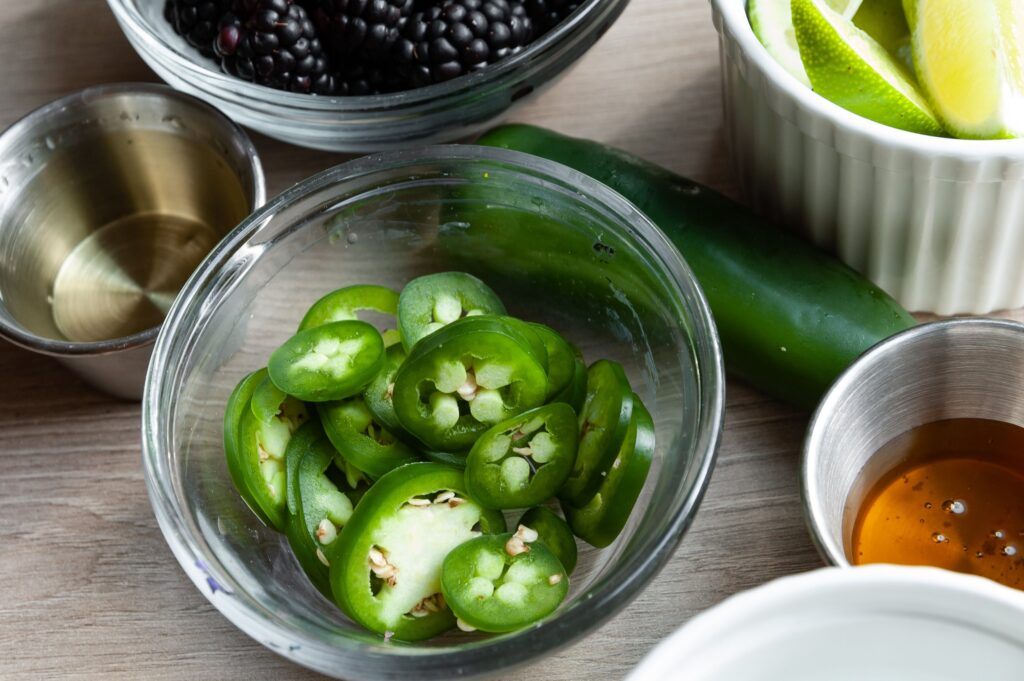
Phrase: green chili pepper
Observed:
(430, 302)
(554, 533)
(503, 583)
(535, 344)
(575, 393)
(379, 392)
(524, 460)
(461, 380)
(239, 400)
(457, 460)
(790, 317)
(317, 508)
(601, 520)
(256, 457)
(239, 403)
(345, 304)
(604, 422)
(329, 362)
(266, 400)
(561, 359)
(386, 566)
(360, 439)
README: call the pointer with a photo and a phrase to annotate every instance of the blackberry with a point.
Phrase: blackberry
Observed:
(371, 77)
(366, 27)
(274, 43)
(546, 14)
(460, 36)
(197, 21)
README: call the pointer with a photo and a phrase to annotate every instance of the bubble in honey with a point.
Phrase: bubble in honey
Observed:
(939, 538)
(927, 504)
(998, 534)
(1009, 550)
(954, 506)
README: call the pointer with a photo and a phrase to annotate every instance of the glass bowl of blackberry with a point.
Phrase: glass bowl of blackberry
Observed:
(363, 75)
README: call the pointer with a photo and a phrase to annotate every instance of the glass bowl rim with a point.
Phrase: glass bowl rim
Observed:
(492, 76)
(491, 655)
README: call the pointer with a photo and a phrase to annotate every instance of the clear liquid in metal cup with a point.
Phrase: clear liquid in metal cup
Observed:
(109, 201)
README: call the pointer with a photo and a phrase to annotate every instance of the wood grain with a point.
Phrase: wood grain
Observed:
(89, 590)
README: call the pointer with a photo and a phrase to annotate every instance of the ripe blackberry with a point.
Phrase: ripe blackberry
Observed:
(197, 21)
(546, 14)
(366, 27)
(274, 43)
(368, 78)
(460, 36)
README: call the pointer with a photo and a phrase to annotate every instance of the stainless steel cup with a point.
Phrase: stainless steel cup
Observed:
(960, 368)
(109, 200)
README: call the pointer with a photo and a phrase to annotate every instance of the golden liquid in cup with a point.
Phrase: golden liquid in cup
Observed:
(955, 500)
(124, 276)
(111, 228)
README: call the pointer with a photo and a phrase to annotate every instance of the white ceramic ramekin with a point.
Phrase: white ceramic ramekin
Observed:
(879, 622)
(938, 223)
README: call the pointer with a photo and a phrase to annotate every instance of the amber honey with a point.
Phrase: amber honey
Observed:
(954, 500)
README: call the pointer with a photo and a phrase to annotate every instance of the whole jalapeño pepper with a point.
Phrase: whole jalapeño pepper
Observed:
(791, 318)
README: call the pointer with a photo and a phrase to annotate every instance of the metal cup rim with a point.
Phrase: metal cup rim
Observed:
(18, 335)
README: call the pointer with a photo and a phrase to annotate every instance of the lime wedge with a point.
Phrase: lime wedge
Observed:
(884, 21)
(968, 58)
(772, 23)
(848, 67)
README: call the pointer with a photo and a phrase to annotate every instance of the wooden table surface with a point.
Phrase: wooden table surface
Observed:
(89, 590)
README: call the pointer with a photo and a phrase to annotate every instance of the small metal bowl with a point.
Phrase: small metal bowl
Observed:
(960, 368)
(109, 200)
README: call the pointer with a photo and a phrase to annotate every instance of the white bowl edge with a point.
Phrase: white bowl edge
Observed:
(737, 618)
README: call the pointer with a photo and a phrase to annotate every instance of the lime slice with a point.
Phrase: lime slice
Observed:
(968, 58)
(884, 21)
(848, 67)
(772, 23)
